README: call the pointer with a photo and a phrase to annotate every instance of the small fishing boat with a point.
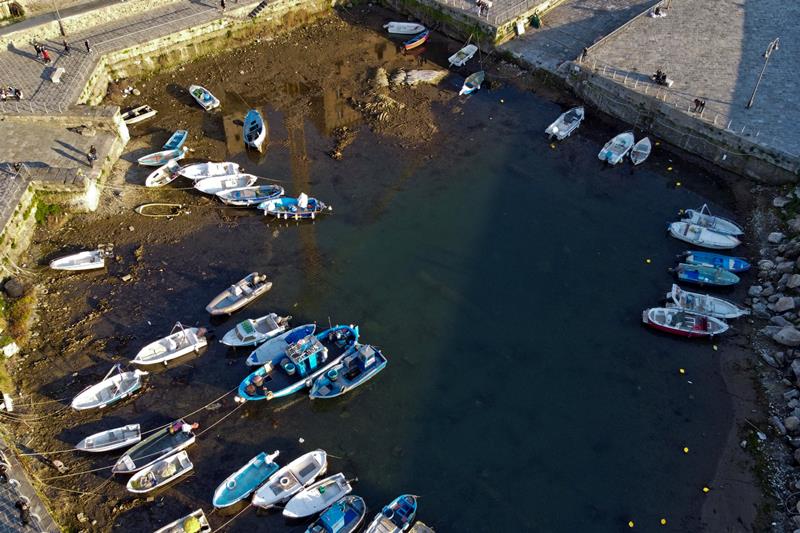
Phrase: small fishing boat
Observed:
(179, 342)
(700, 236)
(248, 196)
(317, 497)
(291, 479)
(343, 516)
(163, 175)
(395, 517)
(111, 439)
(294, 208)
(703, 217)
(298, 365)
(705, 275)
(417, 40)
(641, 151)
(704, 304)
(683, 323)
(111, 389)
(176, 140)
(88, 260)
(160, 473)
(163, 157)
(222, 183)
(404, 28)
(199, 171)
(734, 264)
(359, 365)
(163, 443)
(461, 57)
(203, 97)
(195, 522)
(138, 114)
(239, 294)
(256, 330)
(246, 480)
(254, 130)
(615, 149)
(472, 83)
(565, 124)
(277, 346)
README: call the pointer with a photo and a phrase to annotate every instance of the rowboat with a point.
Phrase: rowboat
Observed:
(163, 175)
(256, 330)
(703, 217)
(359, 365)
(294, 208)
(317, 497)
(179, 342)
(111, 439)
(203, 97)
(343, 516)
(160, 473)
(395, 517)
(176, 140)
(417, 40)
(700, 236)
(222, 183)
(565, 124)
(404, 28)
(291, 479)
(683, 323)
(734, 264)
(277, 346)
(160, 444)
(199, 171)
(244, 481)
(641, 151)
(194, 522)
(248, 196)
(615, 149)
(705, 275)
(254, 130)
(111, 389)
(461, 57)
(239, 294)
(704, 304)
(88, 260)
(298, 365)
(163, 157)
(138, 114)
(472, 83)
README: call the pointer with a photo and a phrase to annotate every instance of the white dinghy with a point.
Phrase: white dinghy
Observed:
(704, 304)
(291, 479)
(615, 149)
(111, 439)
(565, 124)
(195, 522)
(88, 260)
(110, 390)
(203, 97)
(163, 175)
(641, 151)
(223, 183)
(461, 57)
(179, 342)
(318, 497)
(138, 114)
(703, 217)
(256, 330)
(700, 236)
(160, 473)
(199, 171)
(404, 28)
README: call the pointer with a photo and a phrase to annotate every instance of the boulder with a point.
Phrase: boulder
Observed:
(756, 290)
(760, 310)
(791, 394)
(785, 266)
(794, 281)
(766, 264)
(780, 201)
(768, 291)
(783, 304)
(792, 424)
(779, 321)
(788, 336)
(794, 224)
(778, 425)
(14, 288)
(775, 237)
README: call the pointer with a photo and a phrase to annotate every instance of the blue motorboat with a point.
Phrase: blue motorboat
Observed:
(278, 346)
(293, 208)
(254, 130)
(705, 275)
(298, 364)
(360, 364)
(343, 516)
(176, 140)
(246, 480)
(395, 517)
(733, 264)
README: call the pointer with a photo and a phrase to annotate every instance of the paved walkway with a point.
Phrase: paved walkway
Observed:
(16, 489)
(43, 18)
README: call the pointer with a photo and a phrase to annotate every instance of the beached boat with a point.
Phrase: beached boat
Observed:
(138, 114)
(298, 366)
(359, 365)
(163, 157)
(277, 346)
(164, 442)
(291, 479)
(111, 389)
(256, 330)
(317, 497)
(248, 196)
(641, 151)
(194, 522)
(111, 439)
(343, 516)
(472, 83)
(88, 260)
(683, 323)
(705, 275)
(461, 57)
(734, 264)
(179, 342)
(395, 517)
(700, 236)
(239, 294)
(703, 217)
(565, 124)
(160, 473)
(704, 304)
(246, 480)
(199, 171)
(176, 140)
(223, 183)
(293, 208)
(615, 149)
(254, 130)
(404, 28)
(203, 97)
(163, 175)
(417, 40)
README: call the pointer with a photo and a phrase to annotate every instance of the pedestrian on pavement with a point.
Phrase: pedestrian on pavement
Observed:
(38, 49)
(45, 56)
(66, 48)
(92, 156)
(696, 105)
(88, 47)
(222, 4)
(702, 106)
(24, 512)
(584, 54)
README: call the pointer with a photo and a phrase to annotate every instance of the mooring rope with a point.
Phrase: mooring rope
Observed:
(232, 519)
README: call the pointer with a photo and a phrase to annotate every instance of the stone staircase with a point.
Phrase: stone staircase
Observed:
(259, 8)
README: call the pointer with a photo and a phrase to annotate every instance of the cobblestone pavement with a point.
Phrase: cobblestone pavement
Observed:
(15, 490)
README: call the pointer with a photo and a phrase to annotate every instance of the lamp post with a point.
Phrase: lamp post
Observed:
(58, 16)
(770, 48)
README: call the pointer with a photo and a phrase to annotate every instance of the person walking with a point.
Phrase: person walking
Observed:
(38, 50)
(222, 4)
(92, 156)
(45, 56)
(66, 48)
(88, 47)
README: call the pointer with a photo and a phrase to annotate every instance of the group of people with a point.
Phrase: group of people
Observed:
(483, 7)
(660, 78)
(699, 105)
(10, 93)
(44, 56)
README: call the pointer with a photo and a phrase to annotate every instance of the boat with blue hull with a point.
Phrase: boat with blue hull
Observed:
(294, 208)
(395, 517)
(705, 275)
(246, 480)
(277, 346)
(254, 130)
(343, 516)
(360, 364)
(298, 365)
(249, 196)
(176, 140)
(733, 264)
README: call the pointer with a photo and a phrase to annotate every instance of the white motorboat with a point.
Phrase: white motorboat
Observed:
(404, 28)
(317, 497)
(111, 389)
(199, 171)
(704, 304)
(239, 294)
(111, 439)
(88, 260)
(223, 183)
(703, 217)
(256, 330)
(700, 236)
(179, 342)
(615, 149)
(565, 124)
(291, 479)
(203, 97)
(163, 175)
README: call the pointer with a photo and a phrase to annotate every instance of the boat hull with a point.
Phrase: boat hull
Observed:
(695, 325)
(161, 158)
(245, 481)
(111, 439)
(417, 40)
(700, 236)
(254, 130)
(731, 264)
(343, 516)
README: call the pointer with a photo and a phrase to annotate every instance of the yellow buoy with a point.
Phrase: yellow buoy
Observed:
(663, 521)
(502, 101)
(677, 183)
(706, 490)
(553, 146)
(631, 524)
(681, 371)
(648, 261)
(669, 169)
(685, 449)
(715, 348)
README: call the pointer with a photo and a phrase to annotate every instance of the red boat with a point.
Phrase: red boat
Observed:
(417, 40)
(683, 323)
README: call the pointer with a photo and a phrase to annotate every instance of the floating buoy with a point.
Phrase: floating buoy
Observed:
(669, 169)
(631, 524)
(685, 449)
(715, 347)
(663, 521)
(553, 146)
(706, 490)
(502, 101)
(648, 261)
(677, 183)
(681, 371)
